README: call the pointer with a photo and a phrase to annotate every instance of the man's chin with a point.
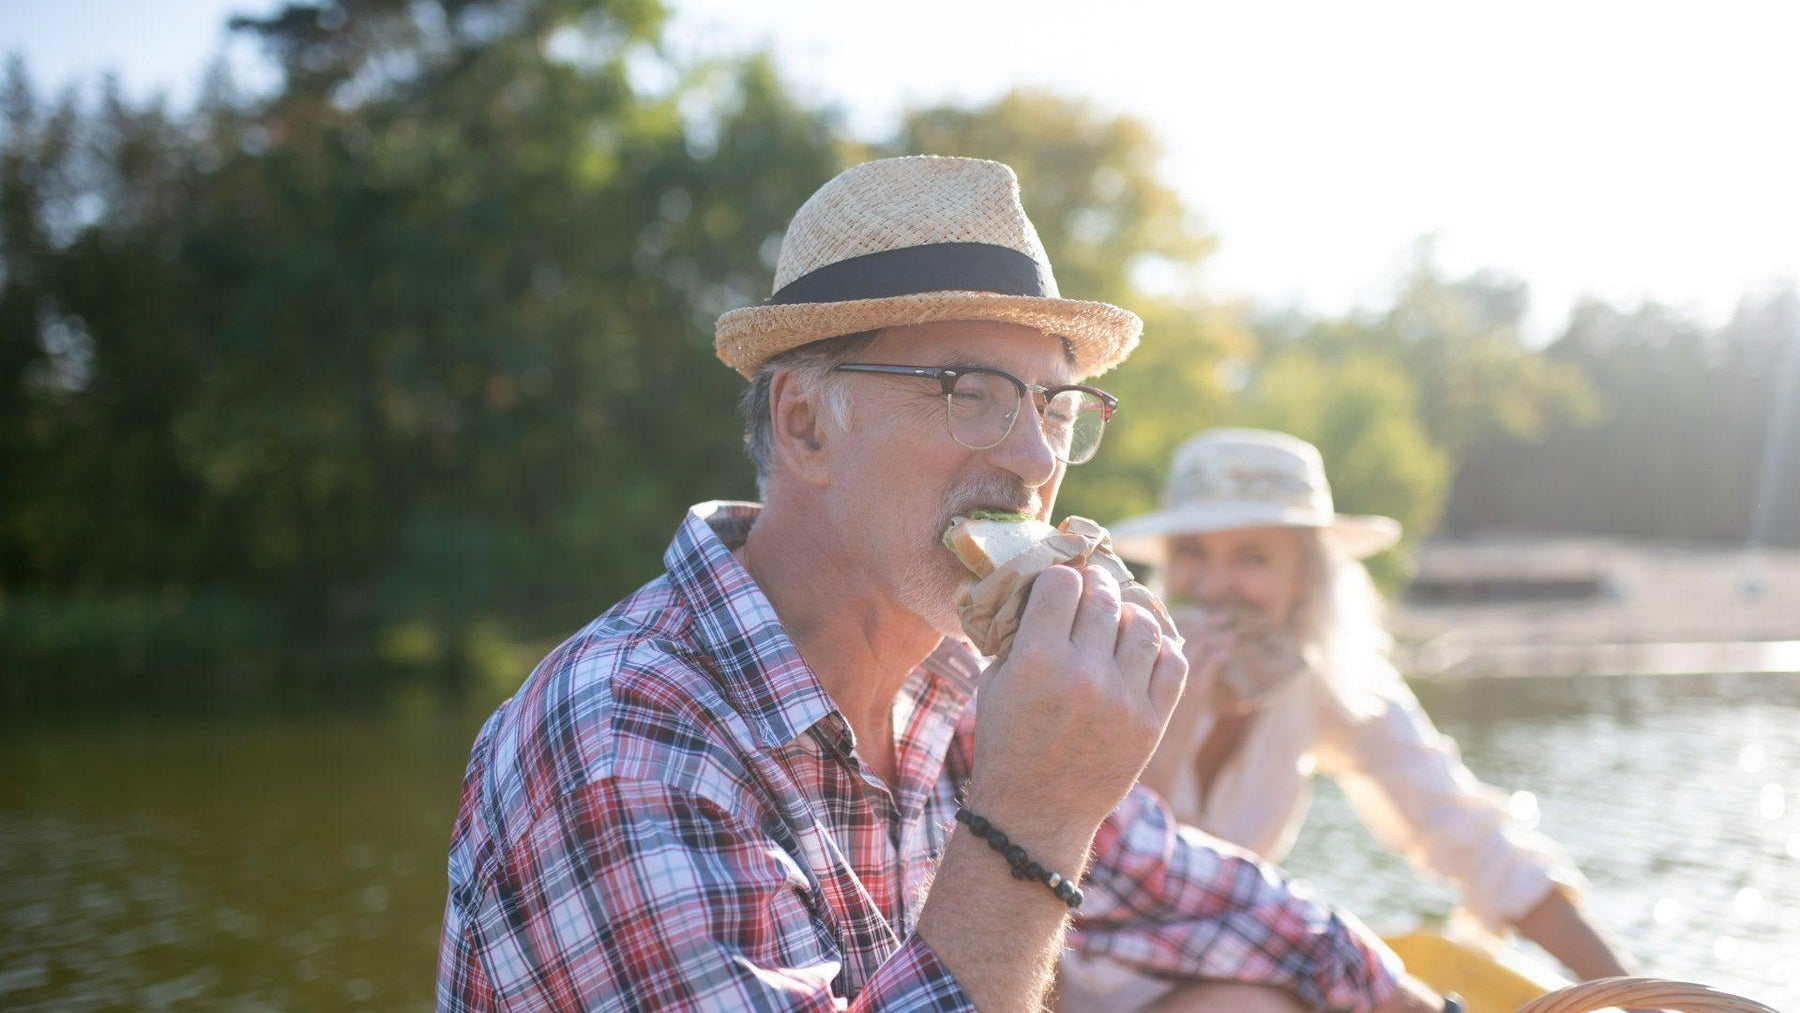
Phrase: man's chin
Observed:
(948, 624)
(932, 598)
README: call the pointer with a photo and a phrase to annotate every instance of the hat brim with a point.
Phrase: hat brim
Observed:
(1144, 538)
(1100, 335)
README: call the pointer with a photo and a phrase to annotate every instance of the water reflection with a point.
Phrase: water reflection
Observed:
(1669, 792)
(252, 864)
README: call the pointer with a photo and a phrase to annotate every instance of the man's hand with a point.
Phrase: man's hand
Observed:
(1066, 723)
(1062, 729)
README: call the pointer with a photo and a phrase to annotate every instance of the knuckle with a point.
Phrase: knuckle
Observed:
(1102, 589)
(1140, 636)
(1057, 581)
(1140, 647)
(1098, 576)
(1139, 621)
(1174, 659)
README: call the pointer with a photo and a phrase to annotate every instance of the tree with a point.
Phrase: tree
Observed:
(1439, 379)
(417, 341)
(1686, 443)
(1363, 416)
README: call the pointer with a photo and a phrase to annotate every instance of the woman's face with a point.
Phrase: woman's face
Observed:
(1260, 570)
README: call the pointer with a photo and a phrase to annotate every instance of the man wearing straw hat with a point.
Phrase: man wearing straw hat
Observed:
(760, 782)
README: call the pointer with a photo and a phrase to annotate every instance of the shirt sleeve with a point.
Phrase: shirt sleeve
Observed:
(629, 895)
(1168, 899)
(1409, 785)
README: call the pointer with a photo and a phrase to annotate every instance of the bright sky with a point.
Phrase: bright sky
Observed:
(1630, 150)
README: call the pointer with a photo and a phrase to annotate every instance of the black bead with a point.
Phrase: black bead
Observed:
(1021, 865)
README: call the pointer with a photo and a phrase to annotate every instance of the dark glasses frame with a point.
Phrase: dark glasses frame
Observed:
(946, 376)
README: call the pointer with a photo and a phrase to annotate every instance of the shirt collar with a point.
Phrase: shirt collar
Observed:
(735, 626)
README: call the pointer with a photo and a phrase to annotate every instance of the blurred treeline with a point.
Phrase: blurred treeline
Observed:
(404, 364)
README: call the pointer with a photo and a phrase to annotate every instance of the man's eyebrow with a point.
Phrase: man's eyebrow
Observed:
(964, 362)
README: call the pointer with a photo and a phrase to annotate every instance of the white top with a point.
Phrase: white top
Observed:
(1406, 781)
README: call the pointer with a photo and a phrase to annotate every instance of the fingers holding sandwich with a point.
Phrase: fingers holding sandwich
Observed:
(1097, 622)
(1168, 679)
(1051, 604)
(1140, 640)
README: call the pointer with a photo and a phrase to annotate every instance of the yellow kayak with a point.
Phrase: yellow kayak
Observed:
(1487, 982)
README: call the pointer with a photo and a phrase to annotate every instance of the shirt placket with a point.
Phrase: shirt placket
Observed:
(871, 822)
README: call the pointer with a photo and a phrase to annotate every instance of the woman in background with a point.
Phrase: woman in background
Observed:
(1289, 678)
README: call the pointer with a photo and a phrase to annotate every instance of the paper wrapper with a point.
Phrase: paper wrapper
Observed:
(991, 607)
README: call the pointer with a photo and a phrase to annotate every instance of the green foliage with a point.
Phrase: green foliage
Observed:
(1362, 415)
(1399, 400)
(137, 648)
(1478, 384)
(1694, 432)
(408, 363)
(422, 337)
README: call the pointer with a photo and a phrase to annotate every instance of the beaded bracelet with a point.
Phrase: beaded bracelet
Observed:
(1022, 865)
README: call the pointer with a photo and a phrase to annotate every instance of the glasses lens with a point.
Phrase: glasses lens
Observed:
(982, 407)
(1074, 421)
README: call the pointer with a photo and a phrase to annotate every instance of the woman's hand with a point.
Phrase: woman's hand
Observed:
(1210, 639)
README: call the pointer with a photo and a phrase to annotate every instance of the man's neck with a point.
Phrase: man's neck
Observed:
(859, 642)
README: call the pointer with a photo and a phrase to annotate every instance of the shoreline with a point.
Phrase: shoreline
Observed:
(1516, 606)
(1444, 662)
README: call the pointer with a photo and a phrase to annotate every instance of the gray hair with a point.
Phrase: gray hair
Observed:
(812, 365)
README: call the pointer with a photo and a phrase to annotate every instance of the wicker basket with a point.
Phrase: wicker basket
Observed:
(1642, 993)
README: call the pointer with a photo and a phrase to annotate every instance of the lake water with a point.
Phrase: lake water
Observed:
(252, 863)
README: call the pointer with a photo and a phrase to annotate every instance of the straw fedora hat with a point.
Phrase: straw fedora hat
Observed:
(914, 240)
(1225, 479)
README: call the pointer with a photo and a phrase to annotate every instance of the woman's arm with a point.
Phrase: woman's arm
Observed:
(1408, 783)
(1565, 931)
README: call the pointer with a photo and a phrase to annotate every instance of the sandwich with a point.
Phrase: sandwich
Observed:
(986, 539)
(1004, 552)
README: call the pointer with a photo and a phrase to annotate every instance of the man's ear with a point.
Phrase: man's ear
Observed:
(797, 424)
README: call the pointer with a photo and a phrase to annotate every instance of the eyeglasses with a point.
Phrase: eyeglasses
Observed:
(981, 405)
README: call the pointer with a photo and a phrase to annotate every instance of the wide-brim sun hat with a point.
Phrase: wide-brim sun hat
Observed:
(1226, 479)
(917, 240)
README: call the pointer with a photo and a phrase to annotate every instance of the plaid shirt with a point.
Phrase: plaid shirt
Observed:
(670, 814)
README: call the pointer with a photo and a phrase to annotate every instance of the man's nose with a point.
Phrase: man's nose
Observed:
(1026, 450)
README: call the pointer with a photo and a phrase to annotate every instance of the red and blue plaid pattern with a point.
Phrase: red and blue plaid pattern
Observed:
(670, 815)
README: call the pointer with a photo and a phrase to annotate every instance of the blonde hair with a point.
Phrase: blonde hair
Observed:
(1339, 621)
